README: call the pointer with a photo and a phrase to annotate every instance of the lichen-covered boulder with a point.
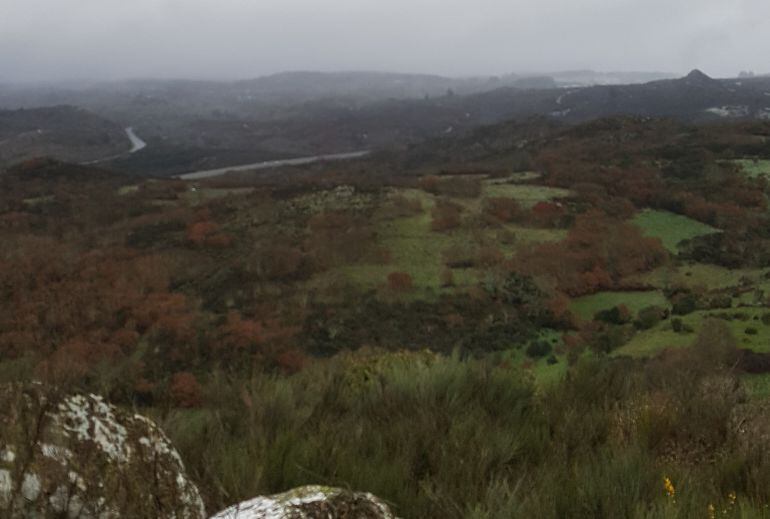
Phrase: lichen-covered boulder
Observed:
(310, 502)
(80, 457)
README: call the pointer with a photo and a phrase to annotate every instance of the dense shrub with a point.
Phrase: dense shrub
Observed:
(501, 209)
(684, 304)
(400, 281)
(446, 216)
(597, 253)
(677, 325)
(538, 349)
(649, 317)
(185, 391)
(452, 185)
(618, 314)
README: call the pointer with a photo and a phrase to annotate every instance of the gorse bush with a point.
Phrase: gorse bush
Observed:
(425, 435)
(449, 437)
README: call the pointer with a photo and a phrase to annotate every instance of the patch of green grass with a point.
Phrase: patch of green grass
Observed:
(527, 195)
(712, 277)
(419, 251)
(523, 237)
(670, 228)
(587, 306)
(649, 342)
(128, 190)
(755, 167)
(38, 200)
(543, 373)
(204, 194)
(416, 250)
(521, 176)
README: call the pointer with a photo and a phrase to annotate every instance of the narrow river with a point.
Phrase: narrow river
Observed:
(136, 143)
(271, 164)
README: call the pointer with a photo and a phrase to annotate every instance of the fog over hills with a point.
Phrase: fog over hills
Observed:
(193, 125)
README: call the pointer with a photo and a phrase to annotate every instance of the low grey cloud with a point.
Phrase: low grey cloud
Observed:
(103, 39)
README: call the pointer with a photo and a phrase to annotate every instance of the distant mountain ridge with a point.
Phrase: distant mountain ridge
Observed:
(210, 125)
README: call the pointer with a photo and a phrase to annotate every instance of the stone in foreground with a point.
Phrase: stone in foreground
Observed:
(80, 457)
(310, 502)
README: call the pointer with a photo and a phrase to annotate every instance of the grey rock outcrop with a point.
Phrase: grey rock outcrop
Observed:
(310, 502)
(80, 457)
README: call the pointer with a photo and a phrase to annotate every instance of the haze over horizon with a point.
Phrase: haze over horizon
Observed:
(112, 39)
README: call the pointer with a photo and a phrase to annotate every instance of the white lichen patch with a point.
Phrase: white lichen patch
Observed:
(158, 444)
(30, 487)
(56, 452)
(6, 487)
(293, 503)
(91, 419)
(7, 455)
(92, 460)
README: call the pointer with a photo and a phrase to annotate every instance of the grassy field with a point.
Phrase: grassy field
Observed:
(419, 251)
(650, 342)
(670, 228)
(526, 195)
(586, 307)
(521, 176)
(543, 373)
(712, 277)
(755, 167)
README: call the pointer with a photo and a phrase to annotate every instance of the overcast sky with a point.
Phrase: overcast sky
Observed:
(110, 39)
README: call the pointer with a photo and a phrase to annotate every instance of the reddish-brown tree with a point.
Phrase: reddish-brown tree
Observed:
(400, 281)
(185, 391)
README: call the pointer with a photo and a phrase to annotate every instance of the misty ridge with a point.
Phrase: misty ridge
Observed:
(194, 126)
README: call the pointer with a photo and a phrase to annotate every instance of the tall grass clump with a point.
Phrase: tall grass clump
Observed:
(449, 437)
(427, 435)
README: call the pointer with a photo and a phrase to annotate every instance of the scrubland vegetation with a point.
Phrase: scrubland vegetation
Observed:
(584, 335)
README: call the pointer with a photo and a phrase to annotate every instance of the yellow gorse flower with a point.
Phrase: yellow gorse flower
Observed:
(669, 487)
(712, 511)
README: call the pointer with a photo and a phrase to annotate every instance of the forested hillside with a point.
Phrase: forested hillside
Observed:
(529, 319)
